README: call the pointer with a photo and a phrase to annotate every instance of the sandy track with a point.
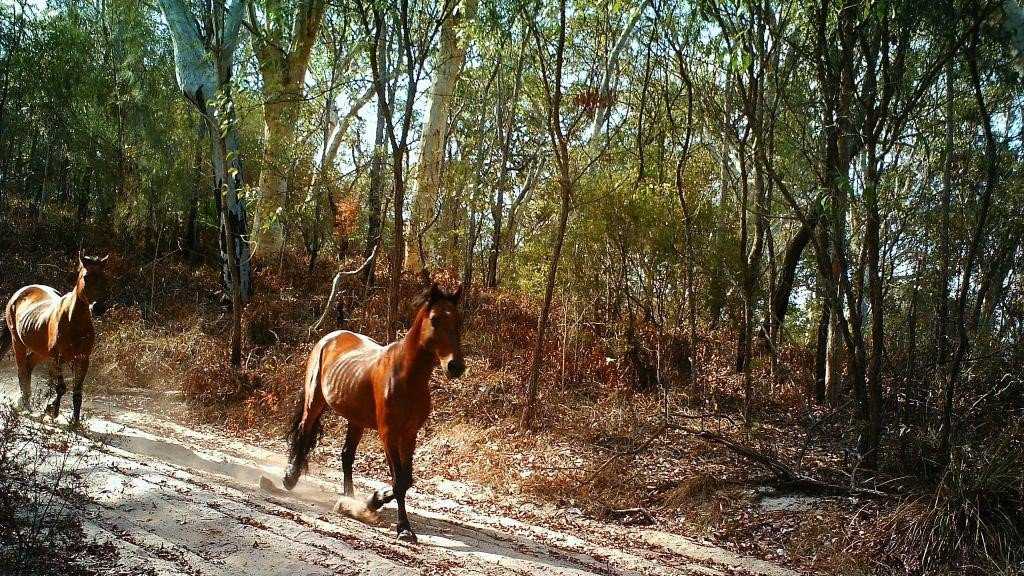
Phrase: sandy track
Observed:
(186, 502)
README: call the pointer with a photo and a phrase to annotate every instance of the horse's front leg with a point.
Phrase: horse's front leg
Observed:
(81, 367)
(399, 453)
(57, 372)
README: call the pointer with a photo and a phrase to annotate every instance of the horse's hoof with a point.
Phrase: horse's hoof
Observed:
(289, 481)
(407, 535)
(374, 502)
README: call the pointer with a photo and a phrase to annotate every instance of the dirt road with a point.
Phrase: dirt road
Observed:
(184, 501)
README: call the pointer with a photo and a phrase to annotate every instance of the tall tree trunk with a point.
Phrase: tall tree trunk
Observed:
(204, 76)
(374, 196)
(398, 242)
(227, 180)
(552, 75)
(945, 249)
(973, 250)
(526, 421)
(873, 432)
(283, 57)
(450, 59)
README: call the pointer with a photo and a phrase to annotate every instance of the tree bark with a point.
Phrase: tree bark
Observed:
(873, 433)
(779, 307)
(526, 420)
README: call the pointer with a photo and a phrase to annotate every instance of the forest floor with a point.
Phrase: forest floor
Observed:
(179, 498)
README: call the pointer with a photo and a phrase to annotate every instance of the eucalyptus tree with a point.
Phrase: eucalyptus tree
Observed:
(204, 51)
(283, 35)
(415, 25)
(555, 60)
(448, 63)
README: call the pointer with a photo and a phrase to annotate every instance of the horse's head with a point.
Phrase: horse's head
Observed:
(92, 281)
(442, 328)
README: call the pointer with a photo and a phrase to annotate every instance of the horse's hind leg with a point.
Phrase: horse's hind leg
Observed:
(303, 436)
(59, 387)
(23, 358)
(348, 455)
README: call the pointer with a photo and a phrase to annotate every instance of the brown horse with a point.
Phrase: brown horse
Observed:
(381, 387)
(42, 324)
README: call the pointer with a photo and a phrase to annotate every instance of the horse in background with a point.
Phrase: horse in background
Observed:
(382, 387)
(42, 325)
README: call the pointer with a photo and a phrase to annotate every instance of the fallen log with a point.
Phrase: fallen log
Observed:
(786, 478)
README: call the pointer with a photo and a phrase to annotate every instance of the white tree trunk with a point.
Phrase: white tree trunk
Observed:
(338, 128)
(604, 89)
(204, 75)
(450, 59)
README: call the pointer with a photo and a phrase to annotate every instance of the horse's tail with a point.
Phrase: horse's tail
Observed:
(306, 427)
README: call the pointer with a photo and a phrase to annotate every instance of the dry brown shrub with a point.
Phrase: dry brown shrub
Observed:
(214, 383)
(694, 490)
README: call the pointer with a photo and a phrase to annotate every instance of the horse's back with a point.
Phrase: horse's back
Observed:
(344, 363)
(28, 315)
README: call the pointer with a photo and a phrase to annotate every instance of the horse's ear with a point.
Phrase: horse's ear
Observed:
(457, 295)
(435, 293)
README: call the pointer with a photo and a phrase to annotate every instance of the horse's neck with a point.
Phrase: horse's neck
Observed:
(414, 362)
(77, 304)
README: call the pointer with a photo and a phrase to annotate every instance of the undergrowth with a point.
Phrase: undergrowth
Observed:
(600, 442)
(41, 503)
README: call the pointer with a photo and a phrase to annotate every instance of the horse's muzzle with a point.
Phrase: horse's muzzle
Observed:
(98, 308)
(456, 367)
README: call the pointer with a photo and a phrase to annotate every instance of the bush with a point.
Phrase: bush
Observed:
(972, 521)
(40, 503)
